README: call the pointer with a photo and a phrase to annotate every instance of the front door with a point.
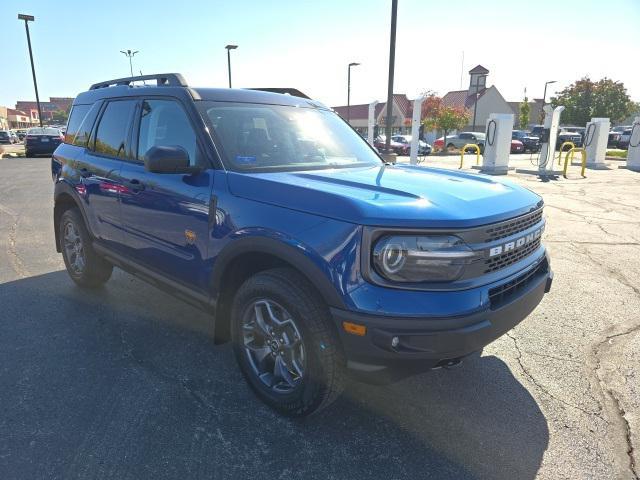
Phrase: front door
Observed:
(165, 217)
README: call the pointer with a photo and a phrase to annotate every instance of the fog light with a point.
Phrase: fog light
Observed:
(395, 341)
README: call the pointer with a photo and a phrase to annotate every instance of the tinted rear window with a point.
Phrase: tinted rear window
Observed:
(78, 112)
(112, 129)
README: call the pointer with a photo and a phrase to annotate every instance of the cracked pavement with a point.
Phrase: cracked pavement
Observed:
(124, 382)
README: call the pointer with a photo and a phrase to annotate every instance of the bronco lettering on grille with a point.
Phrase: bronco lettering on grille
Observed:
(520, 242)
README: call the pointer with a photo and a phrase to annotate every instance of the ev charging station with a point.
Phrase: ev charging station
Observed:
(371, 123)
(596, 137)
(548, 140)
(633, 153)
(497, 145)
(415, 130)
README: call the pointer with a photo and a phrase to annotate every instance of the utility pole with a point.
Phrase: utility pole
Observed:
(130, 54)
(229, 48)
(352, 64)
(392, 62)
(27, 19)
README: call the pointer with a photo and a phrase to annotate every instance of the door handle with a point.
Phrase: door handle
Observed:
(135, 185)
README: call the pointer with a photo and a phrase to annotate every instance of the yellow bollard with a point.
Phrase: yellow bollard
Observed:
(573, 145)
(464, 149)
(566, 160)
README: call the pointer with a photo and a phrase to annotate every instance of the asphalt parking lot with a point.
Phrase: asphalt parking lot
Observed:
(125, 382)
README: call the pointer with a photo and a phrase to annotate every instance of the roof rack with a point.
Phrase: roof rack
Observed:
(290, 91)
(162, 79)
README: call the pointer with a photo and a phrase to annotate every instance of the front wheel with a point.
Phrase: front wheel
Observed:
(285, 343)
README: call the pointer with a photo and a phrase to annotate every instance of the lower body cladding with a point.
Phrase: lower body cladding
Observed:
(397, 347)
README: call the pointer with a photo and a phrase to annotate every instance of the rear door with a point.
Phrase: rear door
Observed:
(166, 216)
(100, 166)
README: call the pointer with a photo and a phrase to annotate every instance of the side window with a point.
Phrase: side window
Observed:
(165, 123)
(112, 129)
(84, 131)
(464, 136)
(78, 112)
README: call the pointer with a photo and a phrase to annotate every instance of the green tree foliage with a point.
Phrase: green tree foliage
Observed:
(446, 119)
(585, 99)
(525, 111)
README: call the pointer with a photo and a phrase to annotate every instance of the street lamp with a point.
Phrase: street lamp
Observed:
(352, 64)
(27, 19)
(130, 54)
(392, 61)
(229, 48)
(544, 98)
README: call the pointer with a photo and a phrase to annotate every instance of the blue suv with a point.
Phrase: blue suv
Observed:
(317, 260)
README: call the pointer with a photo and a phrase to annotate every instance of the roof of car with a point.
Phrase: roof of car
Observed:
(173, 84)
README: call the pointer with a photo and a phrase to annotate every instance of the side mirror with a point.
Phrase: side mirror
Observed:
(168, 159)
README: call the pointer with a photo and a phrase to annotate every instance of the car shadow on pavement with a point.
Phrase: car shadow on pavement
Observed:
(124, 382)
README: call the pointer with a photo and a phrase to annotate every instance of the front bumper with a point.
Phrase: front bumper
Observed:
(430, 342)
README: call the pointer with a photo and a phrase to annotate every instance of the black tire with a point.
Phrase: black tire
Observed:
(450, 145)
(27, 153)
(95, 270)
(322, 380)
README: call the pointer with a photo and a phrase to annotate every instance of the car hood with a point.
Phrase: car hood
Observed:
(399, 196)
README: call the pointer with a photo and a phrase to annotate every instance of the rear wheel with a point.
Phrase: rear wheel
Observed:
(285, 344)
(84, 265)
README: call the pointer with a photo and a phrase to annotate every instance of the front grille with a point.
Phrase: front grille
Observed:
(501, 295)
(508, 228)
(500, 261)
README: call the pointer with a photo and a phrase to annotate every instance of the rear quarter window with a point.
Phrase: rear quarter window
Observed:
(77, 115)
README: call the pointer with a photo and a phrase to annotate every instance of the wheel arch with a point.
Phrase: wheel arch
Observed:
(65, 198)
(246, 257)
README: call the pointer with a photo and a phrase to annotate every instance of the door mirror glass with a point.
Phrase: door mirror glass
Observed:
(168, 159)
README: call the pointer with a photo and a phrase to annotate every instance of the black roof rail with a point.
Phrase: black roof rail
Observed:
(291, 91)
(162, 79)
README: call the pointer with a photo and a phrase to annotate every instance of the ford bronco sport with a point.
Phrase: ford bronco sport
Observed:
(316, 259)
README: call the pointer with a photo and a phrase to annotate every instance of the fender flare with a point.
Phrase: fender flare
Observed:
(288, 253)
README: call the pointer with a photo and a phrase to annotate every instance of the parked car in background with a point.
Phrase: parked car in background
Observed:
(398, 148)
(625, 138)
(6, 137)
(567, 135)
(461, 139)
(21, 133)
(423, 147)
(517, 146)
(614, 139)
(530, 142)
(42, 141)
(621, 128)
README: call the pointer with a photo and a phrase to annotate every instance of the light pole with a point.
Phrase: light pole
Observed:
(392, 62)
(229, 48)
(27, 19)
(352, 64)
(544, 98)
(130, 54)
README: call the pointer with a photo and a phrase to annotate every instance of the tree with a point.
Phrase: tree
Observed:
(446, 119)
(525, 110)
(585, 99)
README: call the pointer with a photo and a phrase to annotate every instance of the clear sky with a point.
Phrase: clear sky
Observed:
(308, 44)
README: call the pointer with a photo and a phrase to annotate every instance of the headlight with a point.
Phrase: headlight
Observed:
(410, 258)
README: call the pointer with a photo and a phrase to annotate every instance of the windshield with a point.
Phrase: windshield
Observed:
(258, 137)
